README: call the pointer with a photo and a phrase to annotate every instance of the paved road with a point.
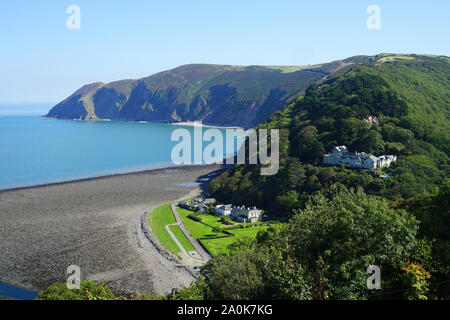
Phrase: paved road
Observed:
(193, 241)
(175, 239)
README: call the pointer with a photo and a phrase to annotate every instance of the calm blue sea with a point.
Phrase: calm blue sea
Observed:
(35, 151)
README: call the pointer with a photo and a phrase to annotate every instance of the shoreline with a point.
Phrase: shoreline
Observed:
(139, 230)
(204, 125)
(106, 176)
(160, 122)
(95, 224)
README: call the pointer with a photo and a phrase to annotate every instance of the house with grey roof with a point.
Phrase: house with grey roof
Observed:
(341, 155)
(223, 209)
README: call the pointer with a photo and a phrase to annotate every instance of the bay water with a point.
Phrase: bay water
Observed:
(36, 151)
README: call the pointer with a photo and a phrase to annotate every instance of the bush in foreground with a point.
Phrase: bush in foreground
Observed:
(89, 290)
(322, 253)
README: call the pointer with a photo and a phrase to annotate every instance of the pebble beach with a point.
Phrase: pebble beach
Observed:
(96, 225)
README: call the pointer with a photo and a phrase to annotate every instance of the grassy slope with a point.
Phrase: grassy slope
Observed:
(421, 81)
(158, 219)
(162, 216)
(217, 246)
(182, 238)
(252, 82)
(209, 238)
(196, 229)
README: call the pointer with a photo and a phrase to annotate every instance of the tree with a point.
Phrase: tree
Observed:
(340, 233)
(294, 175)
(416, 279)
(432, 209)
(265, 271)
(371, 141)
(195, 291)
(288, 202)
(234, 277)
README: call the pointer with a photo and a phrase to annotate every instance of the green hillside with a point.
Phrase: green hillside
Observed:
(340, 219)
(409, 96)
(423, 82)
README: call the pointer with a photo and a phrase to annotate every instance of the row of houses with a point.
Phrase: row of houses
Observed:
(237, 213)
(198, 204)
(357, 159)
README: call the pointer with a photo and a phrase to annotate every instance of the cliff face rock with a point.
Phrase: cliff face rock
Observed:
(215, 94)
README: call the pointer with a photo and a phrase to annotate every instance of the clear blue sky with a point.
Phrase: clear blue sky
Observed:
(41, 60)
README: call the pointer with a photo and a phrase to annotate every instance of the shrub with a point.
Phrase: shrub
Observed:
(89, 290)
(194, 217)
(226, 221)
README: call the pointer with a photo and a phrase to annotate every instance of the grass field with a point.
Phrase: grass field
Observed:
(220, 245)
(201, 231)
(196, 229)
(158, 219)
(162, 216)
(182, 238)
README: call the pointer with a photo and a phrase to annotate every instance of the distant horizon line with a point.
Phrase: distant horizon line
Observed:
(9, 103)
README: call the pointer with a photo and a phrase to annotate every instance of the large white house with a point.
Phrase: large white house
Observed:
(244, 214)
(357, 159)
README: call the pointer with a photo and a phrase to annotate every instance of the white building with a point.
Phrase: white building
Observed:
(243, 214)
(224, 209)
(357, 159)
(371, 120)
(385, 161)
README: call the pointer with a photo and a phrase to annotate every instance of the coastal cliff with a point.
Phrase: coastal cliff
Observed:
(215, 94)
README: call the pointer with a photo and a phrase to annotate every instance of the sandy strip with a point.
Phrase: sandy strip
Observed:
(204, 125)
(95, 224)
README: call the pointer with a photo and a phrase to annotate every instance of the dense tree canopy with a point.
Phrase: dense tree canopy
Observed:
(329, 237)
(433, 212)
(322, 253)
(333, 114)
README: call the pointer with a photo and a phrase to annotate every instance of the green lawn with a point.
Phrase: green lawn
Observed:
(216, 246)
(247, 232)
(196, 229)
(162, 216)
(182, 238)
(158, 219)
(211, 220)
